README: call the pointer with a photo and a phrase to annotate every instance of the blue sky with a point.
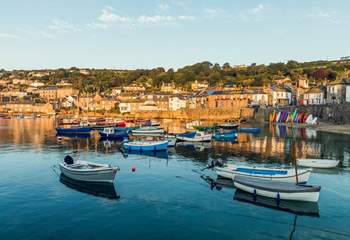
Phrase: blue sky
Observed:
(144, 34)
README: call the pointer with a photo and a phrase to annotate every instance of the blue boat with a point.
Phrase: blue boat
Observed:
(250, 130)
(144, 146)
(187, 134)
(113, 134)
(75, 130)
(228, 136)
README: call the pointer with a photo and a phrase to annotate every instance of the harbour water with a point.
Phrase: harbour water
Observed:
(167, 197)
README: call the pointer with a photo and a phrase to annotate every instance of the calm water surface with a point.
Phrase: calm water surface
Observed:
(166, 197)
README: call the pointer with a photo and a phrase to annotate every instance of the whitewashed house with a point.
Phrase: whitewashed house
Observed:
(314, 96)
(176, 103)
(338, 91)
(347, 97)
(259, 98)
(69, 102)
(281, 96)
(148, 106)
(125, 107)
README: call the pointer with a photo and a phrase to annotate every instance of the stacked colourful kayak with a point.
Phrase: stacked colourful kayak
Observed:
(295, 116)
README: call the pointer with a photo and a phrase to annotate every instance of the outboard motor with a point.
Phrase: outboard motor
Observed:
(219, 163)
(68, 160)
(215, 163)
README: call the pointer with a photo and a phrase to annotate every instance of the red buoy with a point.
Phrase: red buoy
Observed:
(133, 168)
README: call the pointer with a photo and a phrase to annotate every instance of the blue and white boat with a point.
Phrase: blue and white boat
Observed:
(112, 134)
(276, 174)
(250, 130)
(278, 190)
(75, 130)
(143, 146)
(197, 136)
(228, 136)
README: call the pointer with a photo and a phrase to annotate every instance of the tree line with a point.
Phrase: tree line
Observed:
(104, 80)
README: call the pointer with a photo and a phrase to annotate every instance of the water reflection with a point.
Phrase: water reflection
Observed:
(100, 189)
(73, 135)
(295, 207)
(271, 146)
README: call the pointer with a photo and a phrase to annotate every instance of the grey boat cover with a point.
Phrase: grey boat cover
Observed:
(275, 186)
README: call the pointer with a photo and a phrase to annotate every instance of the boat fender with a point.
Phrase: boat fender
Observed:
(278, 199)
(254, 194)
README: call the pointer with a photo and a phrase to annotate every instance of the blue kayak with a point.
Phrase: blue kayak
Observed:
(76, 130)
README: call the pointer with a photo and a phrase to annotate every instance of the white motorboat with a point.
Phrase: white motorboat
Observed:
(278, 190)
(197, 136)
(87, 171)
(148, 131)
(275, 174)
(318, 163)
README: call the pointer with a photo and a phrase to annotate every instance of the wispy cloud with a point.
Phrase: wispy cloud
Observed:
(163, 6)
(253, 14)
(9, 35)
(109, 16)
(212, 13)
(163, 19)
(62, 26)
(258, 8)
(329, 16)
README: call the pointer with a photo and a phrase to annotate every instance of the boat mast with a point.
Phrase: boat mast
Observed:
(293, 152)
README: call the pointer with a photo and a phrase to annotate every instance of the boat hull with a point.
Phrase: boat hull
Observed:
(106, 175)
(146, 146)
(280, 174)
(194, 137)
(116, 136)
(306, 193)
(78, 130)
(318, 163)
(147, 132)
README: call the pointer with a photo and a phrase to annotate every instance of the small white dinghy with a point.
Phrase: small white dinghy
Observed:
(318, 163)
(197, 136)
(275, 174)
(87, 171)
(278, 190)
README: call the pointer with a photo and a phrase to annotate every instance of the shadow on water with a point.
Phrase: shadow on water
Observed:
(106, 190)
